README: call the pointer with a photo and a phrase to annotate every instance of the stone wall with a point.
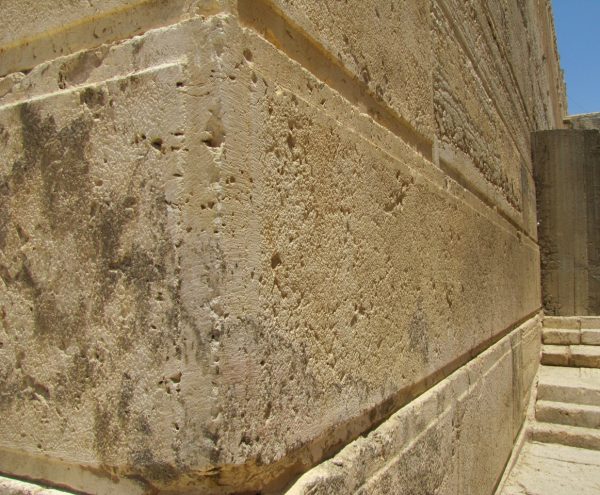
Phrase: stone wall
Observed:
(567, 172)
(235, 236)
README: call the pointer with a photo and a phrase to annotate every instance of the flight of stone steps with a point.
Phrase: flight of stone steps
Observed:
(561, 454)
(567, 409)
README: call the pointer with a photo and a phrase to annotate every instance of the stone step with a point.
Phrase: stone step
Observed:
(574, 385)
(586, 356)
(572, 322)
(572, 436)
(552, 469)
(567, 414)
(570, 336)
(562, 322)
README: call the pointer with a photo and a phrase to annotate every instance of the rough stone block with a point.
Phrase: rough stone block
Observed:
(14, 487)
(561, 336)
(35, 31)
(590, 337)
(366, 41)
(220, 263)
(590, 322)
(555, 355)
(563, 322)
(568, 414)
(564, 384)
(432, 444)
(587, 356)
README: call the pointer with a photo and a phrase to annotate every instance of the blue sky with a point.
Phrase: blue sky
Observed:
(578, 28)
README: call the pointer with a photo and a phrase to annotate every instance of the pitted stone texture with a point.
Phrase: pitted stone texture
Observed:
(14, 487)
(343, 227)
(431, 445)
(485, 104)
(232, 270)
(35, 31)
(369, 40)
(107, 269)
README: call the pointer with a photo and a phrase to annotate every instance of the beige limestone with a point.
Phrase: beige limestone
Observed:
(590, 336)
(555, 355)
(34, 31)
(433, 445)
(568, 414)
(558, 336)
(548, 469)
(15, 487)
(384, 46)
(235, 243)
(590, 121)
(564, 384)
(571, 330)
(572, 436)
(562, 322)
(590, 322)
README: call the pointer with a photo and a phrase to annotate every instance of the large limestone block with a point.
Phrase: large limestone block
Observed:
(454, 439)
(34, 31)
(383, 49)
(216, 270)
(471, 119)
(369, 278)
(108, 264)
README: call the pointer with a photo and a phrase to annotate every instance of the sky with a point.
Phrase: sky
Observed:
(577, 25)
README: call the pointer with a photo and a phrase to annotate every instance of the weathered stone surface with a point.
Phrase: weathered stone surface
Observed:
(576, 385)
(549, 469)
(589, 121)
(223, 259)
(567, 174)
(34, 31)
(431, 445)
(572, 436)
(586, 356)
(484, 102)
(562, 322)
(555, 355)
(15, 487)
(568, 414)
(590, 322)
(559, 336)
(384, 47)
(590, 336)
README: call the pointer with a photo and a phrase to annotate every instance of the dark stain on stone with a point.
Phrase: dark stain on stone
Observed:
(137, 46)
(5, 216)
(93, 97)
(4, 135)
(54, 171)
(77, 69)
(418, 332)
(106, 433)
(59, 156)
(82, 374)
(143, 460)
(125, 398)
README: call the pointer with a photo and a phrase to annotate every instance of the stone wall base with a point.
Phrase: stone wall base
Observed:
(455, 438)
